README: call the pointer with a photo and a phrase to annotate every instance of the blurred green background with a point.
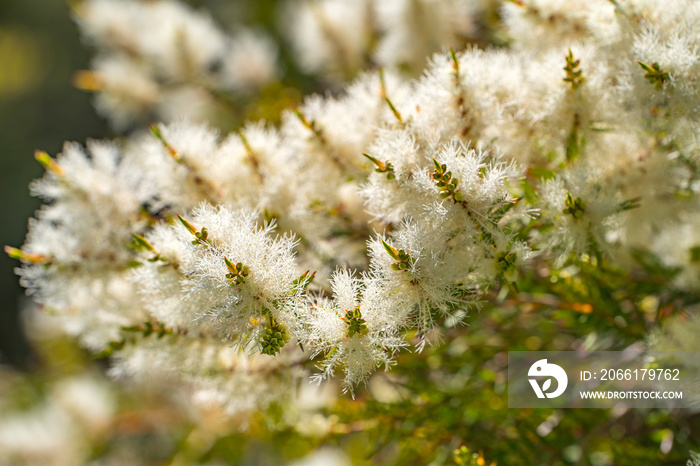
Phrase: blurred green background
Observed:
(39, 109)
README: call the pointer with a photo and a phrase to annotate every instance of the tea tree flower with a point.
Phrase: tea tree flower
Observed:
(225, 256)
(223, 271)
(166, 59)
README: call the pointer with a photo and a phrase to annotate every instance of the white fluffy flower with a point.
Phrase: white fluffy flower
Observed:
(81, 239)
(338, 38)
(230, 280)
(579, 138)
(251, 62)
(166, 59)
(331, 36)
(351, 331)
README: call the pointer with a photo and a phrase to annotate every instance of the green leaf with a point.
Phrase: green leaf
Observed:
(392, 252)
(187, 225)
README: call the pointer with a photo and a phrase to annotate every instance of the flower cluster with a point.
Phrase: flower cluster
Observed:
(159, 58)
(337, 39)
(576, 143)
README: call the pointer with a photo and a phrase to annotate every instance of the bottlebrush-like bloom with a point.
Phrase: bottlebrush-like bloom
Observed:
(222, 270)
(376, 215)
